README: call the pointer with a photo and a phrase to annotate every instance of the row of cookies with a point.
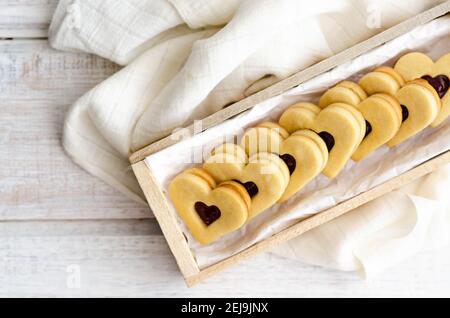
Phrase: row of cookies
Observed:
(276, 160)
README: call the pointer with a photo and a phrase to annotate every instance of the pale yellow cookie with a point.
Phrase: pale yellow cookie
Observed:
(419, 98)
(262, 139)
(358, 117)
(304, 156)
(393, 73)
(313, 136)
(265, 177)
(229, 166)
(442, 69)
(232, 149)
(209, 213)
(418, 65)
(379, 82)
(273, 159)
(383, 123)
(355, 88)
(339, 94)
(202, 174)
(299, 116)
(305, 160)
(430, 88)
(279, 129)
(395, 106)
(306, 148)
(339, 125)
(239, 188)
(414, 65)
(341, 130)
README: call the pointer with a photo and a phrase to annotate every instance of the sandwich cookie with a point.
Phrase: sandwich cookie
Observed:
(383, 115)
(420, 106)
(209, 211)
(304, 153)
(265, 176)
(345, 92)
(382, 80)
(342, 127)
(418, 65)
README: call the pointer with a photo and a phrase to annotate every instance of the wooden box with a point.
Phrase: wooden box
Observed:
(167, 216)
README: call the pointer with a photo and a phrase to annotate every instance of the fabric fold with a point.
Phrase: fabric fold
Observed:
(116, 30)
(213, 59)
(381, 233)
(203, 13)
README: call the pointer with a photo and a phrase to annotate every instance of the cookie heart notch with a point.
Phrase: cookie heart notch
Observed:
(264, 176)
(209, 211)
(339, 125)
(304, 152)
(417, 65)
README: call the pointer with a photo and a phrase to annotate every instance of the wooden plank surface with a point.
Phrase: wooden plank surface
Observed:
(37, 179)
(130, 258)
(25, 18)
(57, 221)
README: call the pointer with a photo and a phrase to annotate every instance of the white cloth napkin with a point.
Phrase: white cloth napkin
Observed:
(188, 58)
(381, 233)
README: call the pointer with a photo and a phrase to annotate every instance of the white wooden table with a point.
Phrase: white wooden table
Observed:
(65, 233)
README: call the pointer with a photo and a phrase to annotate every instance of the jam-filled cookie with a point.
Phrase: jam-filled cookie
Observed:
(299, 116)
(383, 115)
(231, 149)
(342, 127)
(420, 107)
(312, 135)
(265, 176)
(345, 92)
(358, 117)
(265, 137)
(209, 211)
(418, 65)
(382, 80)
(304, 153)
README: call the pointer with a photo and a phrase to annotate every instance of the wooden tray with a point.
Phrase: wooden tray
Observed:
(167, 216)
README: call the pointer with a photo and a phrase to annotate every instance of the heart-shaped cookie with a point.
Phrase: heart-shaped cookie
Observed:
(209, 211)
(383, 115)
(304, 152)
(345, 92)
(384, 80)
(264, 176)
(265, 137)
(339, 125)
(306, 155)
(420, 105)
(418, 65)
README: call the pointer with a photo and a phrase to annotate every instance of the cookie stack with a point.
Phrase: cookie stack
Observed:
(274, 161)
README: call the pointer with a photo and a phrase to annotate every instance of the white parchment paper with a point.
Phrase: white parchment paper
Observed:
(322, 193)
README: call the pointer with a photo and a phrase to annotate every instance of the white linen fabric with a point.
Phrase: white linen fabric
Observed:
(185, 59)
(381, 233)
